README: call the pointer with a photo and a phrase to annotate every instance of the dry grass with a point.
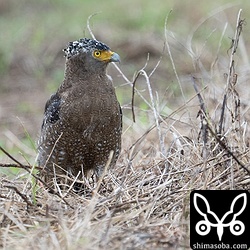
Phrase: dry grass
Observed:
(143, 202)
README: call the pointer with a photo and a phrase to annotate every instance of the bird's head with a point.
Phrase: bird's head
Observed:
(91, 53)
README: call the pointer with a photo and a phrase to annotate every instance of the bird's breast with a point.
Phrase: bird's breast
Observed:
(91, 111)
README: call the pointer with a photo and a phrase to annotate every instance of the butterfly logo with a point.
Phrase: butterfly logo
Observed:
(203, 227)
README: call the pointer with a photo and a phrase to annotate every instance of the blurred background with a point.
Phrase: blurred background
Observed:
(34, 32)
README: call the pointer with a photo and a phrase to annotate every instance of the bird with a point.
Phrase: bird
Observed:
(82, 121)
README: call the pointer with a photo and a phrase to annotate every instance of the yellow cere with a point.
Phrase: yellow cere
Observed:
(103, 55)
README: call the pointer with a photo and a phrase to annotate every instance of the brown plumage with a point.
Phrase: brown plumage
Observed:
(82, 120)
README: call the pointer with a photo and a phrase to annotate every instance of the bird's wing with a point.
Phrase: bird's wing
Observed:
(120, 114)
(52, 110)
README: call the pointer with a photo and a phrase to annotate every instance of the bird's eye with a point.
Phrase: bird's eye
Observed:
(97, 53)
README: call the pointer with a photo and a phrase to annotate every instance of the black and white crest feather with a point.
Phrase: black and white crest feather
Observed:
(83, 45)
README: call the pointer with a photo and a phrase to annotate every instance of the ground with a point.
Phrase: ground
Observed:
(184, 136)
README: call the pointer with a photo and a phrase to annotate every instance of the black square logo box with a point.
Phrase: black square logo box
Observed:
(220, 219)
